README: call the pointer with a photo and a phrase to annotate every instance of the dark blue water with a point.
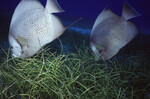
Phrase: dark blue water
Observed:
(88, 9)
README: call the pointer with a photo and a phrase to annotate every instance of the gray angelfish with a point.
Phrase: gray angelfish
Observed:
(33, 26)
(111, 32)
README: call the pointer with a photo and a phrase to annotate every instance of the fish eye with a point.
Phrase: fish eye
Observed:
(100, 51)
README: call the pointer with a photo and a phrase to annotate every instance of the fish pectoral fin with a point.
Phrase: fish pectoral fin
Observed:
(22, 41)
(99, 47)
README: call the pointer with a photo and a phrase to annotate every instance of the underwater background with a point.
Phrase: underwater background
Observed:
(136, 54)
(87, 9)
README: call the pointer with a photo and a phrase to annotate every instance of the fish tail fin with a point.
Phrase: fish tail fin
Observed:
(52, 6)
(129, 12)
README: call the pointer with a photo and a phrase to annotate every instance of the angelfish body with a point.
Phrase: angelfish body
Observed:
(111, 32)
(33, 26)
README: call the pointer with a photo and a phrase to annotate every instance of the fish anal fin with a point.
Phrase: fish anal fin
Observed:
(56, 27)
(74, 22)
(132, 31)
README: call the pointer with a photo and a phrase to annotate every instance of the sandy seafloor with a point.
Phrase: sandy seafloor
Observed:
(78, 33)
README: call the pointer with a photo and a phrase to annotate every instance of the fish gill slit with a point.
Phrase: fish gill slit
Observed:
(39, 42)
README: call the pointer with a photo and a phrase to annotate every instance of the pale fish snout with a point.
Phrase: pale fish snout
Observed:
(15, 47)
(95, 51)
(16, 50)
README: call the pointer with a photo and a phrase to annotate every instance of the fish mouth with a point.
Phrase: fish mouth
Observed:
(15, 56)
(16, 51)
(98, 53)
(95, 51)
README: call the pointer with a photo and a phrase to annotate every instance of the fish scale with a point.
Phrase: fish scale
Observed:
(33, 26)
(111, 32)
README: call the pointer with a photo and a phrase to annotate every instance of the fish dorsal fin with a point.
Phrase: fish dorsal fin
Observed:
(24, 6)
(106, 13)
(73, 23)
(129, 12)
(52, 6)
